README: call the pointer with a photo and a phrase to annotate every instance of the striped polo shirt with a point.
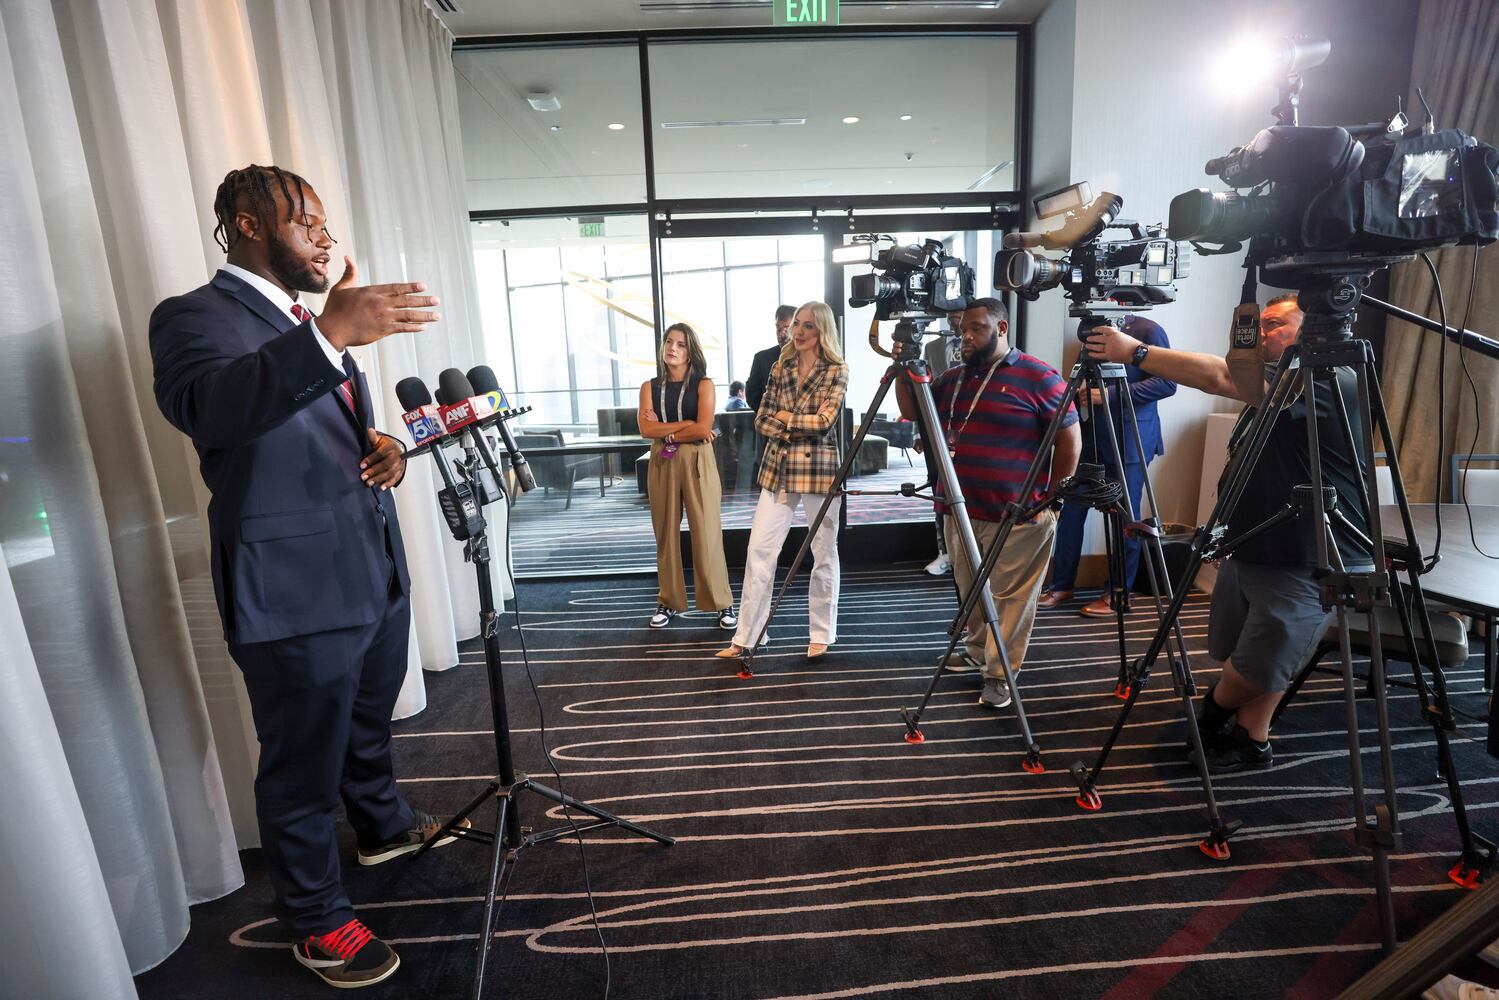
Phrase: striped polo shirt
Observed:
(998, 443)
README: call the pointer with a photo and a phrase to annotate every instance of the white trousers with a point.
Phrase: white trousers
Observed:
(773, 514)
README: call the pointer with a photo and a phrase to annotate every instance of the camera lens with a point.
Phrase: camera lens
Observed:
(1026, 273)
(1219, 216)
(873, 288)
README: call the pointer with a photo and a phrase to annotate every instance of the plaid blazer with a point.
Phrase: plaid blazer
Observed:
(802, 456)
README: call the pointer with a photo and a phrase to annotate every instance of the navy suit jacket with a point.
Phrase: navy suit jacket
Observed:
(1144, 391)
(300, 545)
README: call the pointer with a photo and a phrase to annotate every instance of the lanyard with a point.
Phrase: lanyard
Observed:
(681, 395)
(954, 433)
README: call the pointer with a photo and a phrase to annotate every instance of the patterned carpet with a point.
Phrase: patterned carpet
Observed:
(820, 856)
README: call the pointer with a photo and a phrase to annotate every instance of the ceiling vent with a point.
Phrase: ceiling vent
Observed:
(730, 6)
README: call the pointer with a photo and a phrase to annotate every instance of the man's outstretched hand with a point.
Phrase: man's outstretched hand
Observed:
(354, 315)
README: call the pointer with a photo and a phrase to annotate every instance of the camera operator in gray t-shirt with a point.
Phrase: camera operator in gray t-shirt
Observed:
(1267, 617)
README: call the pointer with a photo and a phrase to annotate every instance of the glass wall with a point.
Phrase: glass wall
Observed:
(557, 172)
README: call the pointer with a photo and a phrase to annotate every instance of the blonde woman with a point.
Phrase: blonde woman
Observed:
(799, 415)
(676, 413)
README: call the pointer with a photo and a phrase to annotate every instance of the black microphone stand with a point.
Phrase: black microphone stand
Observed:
(509, 838)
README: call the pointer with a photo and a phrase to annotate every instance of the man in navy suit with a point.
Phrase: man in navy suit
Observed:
(1144, 391)
(308, 567)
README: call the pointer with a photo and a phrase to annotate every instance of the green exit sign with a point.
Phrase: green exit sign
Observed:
(590, 229)
(794, 13)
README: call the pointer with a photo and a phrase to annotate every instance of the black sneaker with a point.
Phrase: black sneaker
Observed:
(1239, 753)
(349, 957)
(727, 619)
(426, 826)
(662, 617)
(1215, 724)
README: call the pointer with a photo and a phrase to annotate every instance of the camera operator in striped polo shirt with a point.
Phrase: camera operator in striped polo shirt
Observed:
(995, 408)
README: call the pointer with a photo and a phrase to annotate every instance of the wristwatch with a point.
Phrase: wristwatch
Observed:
(1138, 358)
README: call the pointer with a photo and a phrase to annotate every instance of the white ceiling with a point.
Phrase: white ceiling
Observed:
(532, 17)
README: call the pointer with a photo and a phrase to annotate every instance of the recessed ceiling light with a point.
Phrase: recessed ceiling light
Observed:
(905, 118)
(556, 128)
(817, 184)
(851, 120)
(744, 145)
(616, 127)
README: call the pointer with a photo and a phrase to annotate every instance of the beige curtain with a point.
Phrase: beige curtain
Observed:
(127, 755)
(1457, 67)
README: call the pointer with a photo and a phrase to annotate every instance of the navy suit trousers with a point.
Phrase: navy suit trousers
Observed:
(322, 705)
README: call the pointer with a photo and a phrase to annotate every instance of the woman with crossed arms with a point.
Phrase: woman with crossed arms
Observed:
(799, 415)
(676, 413)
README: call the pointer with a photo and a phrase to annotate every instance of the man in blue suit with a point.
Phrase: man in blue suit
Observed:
(308, 567)
(1144, 391)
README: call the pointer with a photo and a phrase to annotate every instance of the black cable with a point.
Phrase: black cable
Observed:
(525, 657)
(1462, 357)
(1436, 553)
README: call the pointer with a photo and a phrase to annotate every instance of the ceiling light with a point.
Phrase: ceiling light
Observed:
(616, 127)
(543, 100)
(905, 118)
(851, 120)
(817, 184)
(735, 122)
(556, 128)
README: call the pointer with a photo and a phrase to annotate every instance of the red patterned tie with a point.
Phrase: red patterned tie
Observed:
(345, 388)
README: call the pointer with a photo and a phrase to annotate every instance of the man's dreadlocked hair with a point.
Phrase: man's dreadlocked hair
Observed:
(254, 183)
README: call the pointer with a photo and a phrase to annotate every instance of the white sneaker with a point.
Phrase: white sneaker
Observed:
(662, 617)
(939, 566)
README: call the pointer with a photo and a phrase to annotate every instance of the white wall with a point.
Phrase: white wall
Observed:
(1136, 86)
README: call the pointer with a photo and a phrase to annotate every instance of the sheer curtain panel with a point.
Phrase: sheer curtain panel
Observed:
(124, 731)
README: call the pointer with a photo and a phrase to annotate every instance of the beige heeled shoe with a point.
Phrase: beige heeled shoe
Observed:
(816, 650)
(734, 652)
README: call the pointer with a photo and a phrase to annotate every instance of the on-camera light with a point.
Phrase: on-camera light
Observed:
(854, 253)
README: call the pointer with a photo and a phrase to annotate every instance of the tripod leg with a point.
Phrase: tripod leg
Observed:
(834, 492)
(497, 862)
(978, 589)
(595, 812)
(1477, 851)
(452, 828)
(1240, 467)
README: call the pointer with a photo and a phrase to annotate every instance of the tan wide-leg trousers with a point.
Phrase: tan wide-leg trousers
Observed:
(688, 479)
(1015, 584)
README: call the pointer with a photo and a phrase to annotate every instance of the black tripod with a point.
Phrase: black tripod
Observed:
(908, 365)
(1092, 486)
(509, 838)
(1329, 292)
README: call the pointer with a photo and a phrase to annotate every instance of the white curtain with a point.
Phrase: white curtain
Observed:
(126, 752)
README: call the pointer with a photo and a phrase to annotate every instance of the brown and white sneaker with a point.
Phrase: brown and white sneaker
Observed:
(426, 826)
(349, 957)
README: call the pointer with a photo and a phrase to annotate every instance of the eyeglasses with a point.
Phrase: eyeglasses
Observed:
(313, 231)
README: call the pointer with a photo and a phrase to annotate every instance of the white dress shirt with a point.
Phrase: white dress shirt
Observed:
(284, 302)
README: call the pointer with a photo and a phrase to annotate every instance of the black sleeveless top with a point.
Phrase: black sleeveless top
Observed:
(664, 396)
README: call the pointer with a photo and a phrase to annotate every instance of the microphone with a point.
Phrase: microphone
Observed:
(1023, 241)
(422, 419)
(462, 409)
(481, 379)
(455, 498)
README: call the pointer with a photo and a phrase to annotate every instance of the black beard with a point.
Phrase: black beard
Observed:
(984, 354)
(292, 271)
